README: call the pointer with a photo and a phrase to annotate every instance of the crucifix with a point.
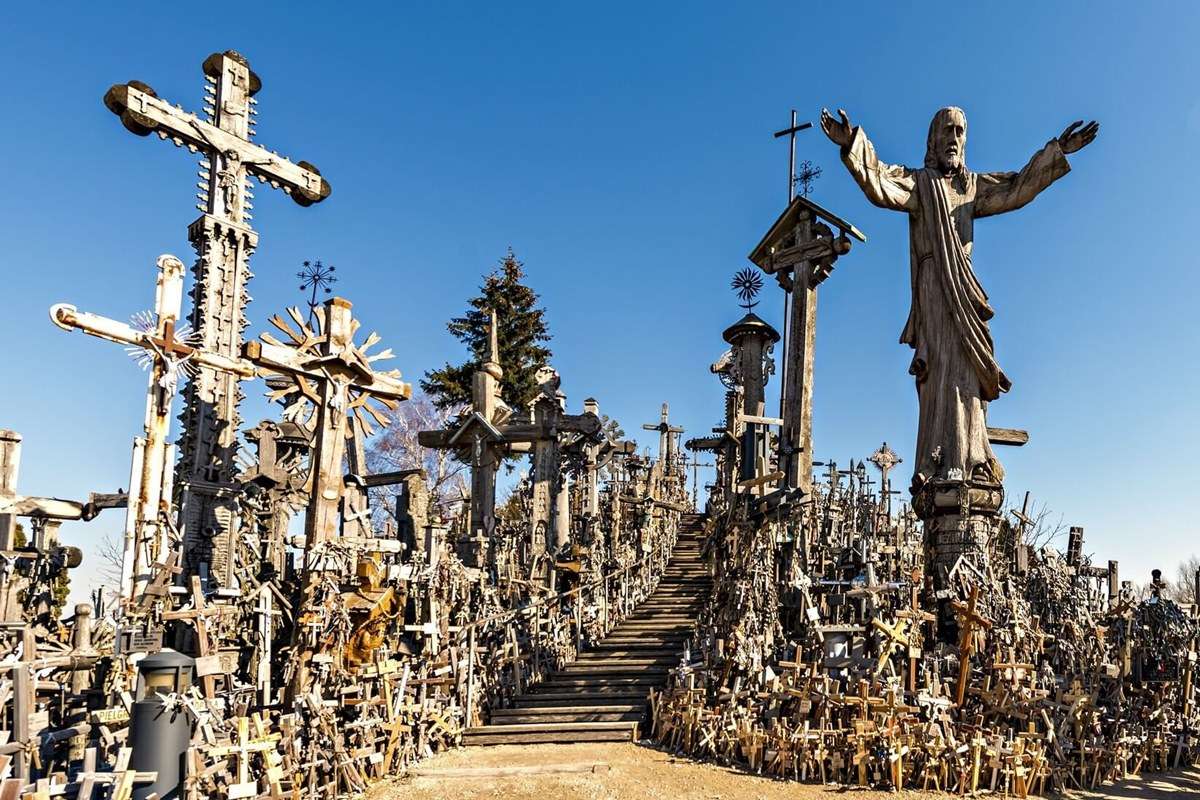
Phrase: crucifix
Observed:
(800, 249)
(668, 436)
(695, 465)
(479, 440)
(885, 459)
(159, 347)
(968, 619)
(336, 377)
(223, 240)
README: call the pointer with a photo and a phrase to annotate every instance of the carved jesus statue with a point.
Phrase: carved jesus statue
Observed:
(954, 362)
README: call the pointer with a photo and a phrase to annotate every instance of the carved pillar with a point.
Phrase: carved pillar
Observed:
(752, 340)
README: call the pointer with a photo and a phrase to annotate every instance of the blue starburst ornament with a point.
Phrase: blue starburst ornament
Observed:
(747, 284)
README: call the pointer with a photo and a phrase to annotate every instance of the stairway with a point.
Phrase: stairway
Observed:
(601, 696)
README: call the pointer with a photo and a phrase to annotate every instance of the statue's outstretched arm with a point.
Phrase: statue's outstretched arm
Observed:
(999, 192)
(885, 185)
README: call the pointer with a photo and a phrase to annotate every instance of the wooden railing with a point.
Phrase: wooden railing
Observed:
(552, 629)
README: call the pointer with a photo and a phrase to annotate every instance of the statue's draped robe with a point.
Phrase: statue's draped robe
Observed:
(954, 363)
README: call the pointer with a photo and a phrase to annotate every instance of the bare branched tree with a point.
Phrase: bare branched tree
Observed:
(109, 554)
(1043, 528)
(1183, 588)
(396, 448)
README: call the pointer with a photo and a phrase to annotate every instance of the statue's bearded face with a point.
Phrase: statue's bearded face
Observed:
(950, 141)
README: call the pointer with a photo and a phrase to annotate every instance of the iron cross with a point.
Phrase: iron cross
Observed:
(791, 132)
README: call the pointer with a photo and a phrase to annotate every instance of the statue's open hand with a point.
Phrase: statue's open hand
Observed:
(840, 133)
(1075, 138)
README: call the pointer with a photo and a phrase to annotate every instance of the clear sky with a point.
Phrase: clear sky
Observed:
(624, 151)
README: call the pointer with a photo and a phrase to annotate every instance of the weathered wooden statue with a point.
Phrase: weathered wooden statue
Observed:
(954, 363)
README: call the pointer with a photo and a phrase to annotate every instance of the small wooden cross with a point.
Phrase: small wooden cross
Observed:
(968, 618)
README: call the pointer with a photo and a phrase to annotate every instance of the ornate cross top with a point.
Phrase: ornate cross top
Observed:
(667, 433)
(326, 368)
(223, 138)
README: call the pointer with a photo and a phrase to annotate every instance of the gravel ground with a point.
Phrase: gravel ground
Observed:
(636, 772)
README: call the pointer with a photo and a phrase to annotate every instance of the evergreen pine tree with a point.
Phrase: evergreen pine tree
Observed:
(522, 331)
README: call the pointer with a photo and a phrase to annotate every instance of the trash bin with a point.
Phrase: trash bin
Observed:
(158, 735)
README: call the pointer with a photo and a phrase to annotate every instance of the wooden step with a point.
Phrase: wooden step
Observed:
(590, 697)
(548, 732)
(614, 713)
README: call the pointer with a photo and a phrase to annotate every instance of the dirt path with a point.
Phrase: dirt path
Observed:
(637, 772)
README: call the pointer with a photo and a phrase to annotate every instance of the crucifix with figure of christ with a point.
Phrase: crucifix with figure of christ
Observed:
(338, 380)
(224, 241)
(157, 344)
(668, 437)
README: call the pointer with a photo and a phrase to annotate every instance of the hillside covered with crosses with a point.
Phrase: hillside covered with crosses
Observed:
(308, 604)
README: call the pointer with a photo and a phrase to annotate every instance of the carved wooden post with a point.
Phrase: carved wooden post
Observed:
(10, 464)
(800, 248)
(751, 339)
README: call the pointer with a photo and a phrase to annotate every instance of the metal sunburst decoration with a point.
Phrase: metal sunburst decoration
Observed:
(315, 276)
(181, 338)
(747, 284)
(301, 396)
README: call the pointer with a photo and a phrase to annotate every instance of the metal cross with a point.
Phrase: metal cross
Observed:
(808, 174)
(791, 134)
(695, 464)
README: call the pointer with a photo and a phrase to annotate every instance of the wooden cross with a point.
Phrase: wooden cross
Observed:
(336, 376)
(800, 250)
(241, 748)
(897, 637)
(150, 475)
(480, 441)
(223, 240)
(484, 440)
(968, 618)
(668, 436)
(198, 616)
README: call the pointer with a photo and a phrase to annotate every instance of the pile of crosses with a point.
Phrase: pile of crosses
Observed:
(853, 639)
(242, 657)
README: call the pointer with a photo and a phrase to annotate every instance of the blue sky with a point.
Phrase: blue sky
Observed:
(624, 151)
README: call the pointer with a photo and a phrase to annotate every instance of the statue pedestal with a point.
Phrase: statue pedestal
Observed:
(960, 520)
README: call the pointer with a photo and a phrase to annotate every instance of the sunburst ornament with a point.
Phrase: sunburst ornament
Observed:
(747, 284)
(301, 395)
(173, 349)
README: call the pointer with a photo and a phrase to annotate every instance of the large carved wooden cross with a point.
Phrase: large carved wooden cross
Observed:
(336, 378)
(223, 240)
(479, 441)
(486, 434)
(800, 249)
(335, 375)
(668, 436)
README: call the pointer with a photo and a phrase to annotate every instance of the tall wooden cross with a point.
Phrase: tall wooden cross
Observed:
(668, 436)
(145, 540)
(800, 249)
(338, 380)
(479, 440)
(223, 240)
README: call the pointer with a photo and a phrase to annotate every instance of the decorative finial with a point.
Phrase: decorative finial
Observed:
(315, 276)
(747, 284)
(808, 173)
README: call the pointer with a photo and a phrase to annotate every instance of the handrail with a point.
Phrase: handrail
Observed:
(547, 601)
